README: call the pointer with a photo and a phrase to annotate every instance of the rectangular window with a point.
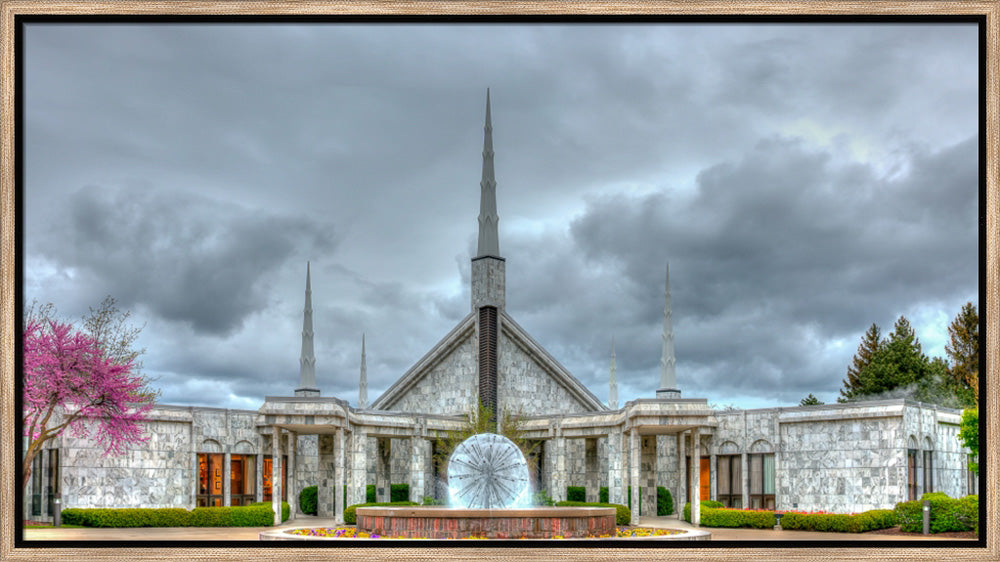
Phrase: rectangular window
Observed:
(36, 485)
(928, 471)
(268, 470)
(209, 480)
(730, 480)
(52, 485)
(911, 474)
(762, 479)
(242, 479)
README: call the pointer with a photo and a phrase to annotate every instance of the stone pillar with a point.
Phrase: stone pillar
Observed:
(383, 468)
(259, 474)
(681, 497)
(276, 473)
(593, 473)
(227, 468)
(616, 472)
(713, 471)
(559, 472)
(339, 480)
(293, 488)
(696, 476)
(327, 469)
(745, 477)
(634, 474)
(647, 468)
(359, 468)
(418, 465)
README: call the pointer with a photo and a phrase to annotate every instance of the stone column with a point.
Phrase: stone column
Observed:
(227, 467)
(713, 471)
(647, 468)
(559, 473)
(276, 473)
(616, 472)
(745, 477)
(383, 468)
(418, 468)
(359, 468)
(339, 479)
(259, 474)
(326, 471)
(293, 488)
(634, 474)
(681, 497)
(696, 476)
(593, 474)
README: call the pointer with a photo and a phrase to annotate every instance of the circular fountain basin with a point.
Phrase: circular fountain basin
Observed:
(506, 523)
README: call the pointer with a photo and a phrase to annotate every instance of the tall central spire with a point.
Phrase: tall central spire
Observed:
(363, 384)
(489, 242)
(613, 398)
(307, 361)
(668, 376)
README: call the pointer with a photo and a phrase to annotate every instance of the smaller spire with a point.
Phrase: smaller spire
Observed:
(363, 386)
(307, 360)
(668, 376)
(613, 400)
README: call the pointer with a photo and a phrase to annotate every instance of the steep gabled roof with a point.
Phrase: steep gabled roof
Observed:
(439, 352)
(553, 368)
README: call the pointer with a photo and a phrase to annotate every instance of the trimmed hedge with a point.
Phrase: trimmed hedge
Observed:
(623, 515)
(255, 515)
(839, 523)
(399, 492)
(603, 495)
(351, 514)
(285, 509)
(664, 501)
(947, 513)
(308, 503)
(576, 493)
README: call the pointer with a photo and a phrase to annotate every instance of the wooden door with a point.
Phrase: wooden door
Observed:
(705, 483)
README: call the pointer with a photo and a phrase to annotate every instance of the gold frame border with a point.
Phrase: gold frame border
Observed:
(11, 8)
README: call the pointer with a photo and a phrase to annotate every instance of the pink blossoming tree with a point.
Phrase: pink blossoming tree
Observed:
(72, 382)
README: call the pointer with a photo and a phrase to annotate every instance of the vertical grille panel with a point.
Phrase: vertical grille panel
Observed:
(488, 359)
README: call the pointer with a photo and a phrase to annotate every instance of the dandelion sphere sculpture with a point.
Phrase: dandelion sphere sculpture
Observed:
(487, 471)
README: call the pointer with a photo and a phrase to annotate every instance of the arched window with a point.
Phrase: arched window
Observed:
(242, 474)
(928, 465)
(911, 468)
(761, 477)
(209, 474)
(729, 475)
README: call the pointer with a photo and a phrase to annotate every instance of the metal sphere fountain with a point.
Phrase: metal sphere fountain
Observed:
(488, 471)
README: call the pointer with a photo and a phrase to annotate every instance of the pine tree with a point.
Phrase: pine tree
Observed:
(810, 401)
(964, 354)
(871, 342)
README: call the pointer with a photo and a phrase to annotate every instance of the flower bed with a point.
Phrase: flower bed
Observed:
(353, 533)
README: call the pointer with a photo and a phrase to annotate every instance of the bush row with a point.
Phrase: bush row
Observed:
(351, 514)
(622, 513)
(946, 513)
(308, 497)
(839, 523)
(254, 515)
(664, 500)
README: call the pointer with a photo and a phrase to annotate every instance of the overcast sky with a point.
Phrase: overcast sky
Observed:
(803, 181)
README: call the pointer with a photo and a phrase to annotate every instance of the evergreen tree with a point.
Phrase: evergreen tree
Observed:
(871, 342)
(898, 367)
(810, 401)
(963, 351)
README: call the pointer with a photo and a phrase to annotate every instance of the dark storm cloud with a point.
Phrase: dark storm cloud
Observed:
(185, 257)
(803, 182)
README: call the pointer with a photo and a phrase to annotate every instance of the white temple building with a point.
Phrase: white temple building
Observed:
(839, 458)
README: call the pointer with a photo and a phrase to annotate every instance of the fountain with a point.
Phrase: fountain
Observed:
(489, 488)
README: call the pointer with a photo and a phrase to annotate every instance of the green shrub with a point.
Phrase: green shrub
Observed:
(308, 500)
(259, 515)
(664, 501)
(839, 523)
(431, 500)
(946, 513)
(285, 509)
(370, 493)
(623, 515)
(576, 493)
(603, 496)
(399, 492)
(704, 504)
(351, 515)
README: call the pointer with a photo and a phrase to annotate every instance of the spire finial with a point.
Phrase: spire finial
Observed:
(613, 400)
(668, 376)
(489, 243)
(307, 360)
(363, 385)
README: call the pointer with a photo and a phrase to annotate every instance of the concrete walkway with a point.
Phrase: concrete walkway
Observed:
(253, 533)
